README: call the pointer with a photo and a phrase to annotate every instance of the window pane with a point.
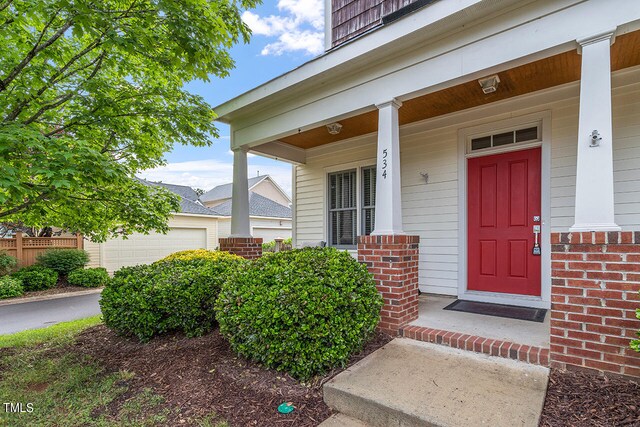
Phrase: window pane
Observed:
(529, 134)
(502, 139)
(345, 234)
(342, 208)
(480, 143)
(368, 220)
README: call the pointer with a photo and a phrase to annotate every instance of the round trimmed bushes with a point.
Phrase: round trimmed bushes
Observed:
(36, 278)
(10, 287)
(64, 261)
(302, 311)
(178, 295)
(89, 277)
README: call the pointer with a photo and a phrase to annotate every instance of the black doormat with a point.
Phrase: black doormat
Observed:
(499, 310)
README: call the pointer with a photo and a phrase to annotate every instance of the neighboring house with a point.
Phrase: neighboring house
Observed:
(263, 185)
(269, 208)
(463, 147)
(195, 226)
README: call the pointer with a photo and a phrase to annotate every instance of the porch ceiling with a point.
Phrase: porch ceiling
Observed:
(542, 74)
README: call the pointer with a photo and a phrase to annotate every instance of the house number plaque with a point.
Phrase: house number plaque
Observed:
(384, 163)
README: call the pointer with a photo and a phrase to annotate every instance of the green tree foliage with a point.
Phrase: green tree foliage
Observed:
(91, 92)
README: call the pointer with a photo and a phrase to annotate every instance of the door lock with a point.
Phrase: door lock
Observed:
(536, 245)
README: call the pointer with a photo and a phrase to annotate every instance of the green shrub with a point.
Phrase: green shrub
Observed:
(200, 254)
(635, 344)
(178, 295)
(36, 278)
(64, 261)
(89, 277)
(10, 287)
(302, 311)
(7, 263)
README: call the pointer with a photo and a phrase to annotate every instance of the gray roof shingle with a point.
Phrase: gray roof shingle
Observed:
(224, 191)
(258, 206)
(189, 202)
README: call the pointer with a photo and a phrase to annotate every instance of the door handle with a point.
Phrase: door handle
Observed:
(536, 246)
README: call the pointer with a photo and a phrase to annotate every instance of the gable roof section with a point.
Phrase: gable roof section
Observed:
(258, 206)
(181, 190)
(187, 205)
(224, 191)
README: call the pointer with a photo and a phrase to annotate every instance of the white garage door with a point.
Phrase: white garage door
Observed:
(145, 249)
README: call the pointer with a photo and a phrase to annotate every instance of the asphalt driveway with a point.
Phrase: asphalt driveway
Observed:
(39, 314)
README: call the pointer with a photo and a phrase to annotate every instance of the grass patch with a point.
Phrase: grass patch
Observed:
(67, 389)
(58, 334)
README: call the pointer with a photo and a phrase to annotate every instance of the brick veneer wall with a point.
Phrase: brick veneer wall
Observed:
(246, 247)
(594, 294)
(393, 261)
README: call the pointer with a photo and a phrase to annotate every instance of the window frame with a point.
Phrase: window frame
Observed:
(358, 167)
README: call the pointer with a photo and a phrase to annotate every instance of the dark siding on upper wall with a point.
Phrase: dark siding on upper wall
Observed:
(350, 18)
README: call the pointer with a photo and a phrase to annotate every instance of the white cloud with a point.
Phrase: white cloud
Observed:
(299, 27)
(206, 174)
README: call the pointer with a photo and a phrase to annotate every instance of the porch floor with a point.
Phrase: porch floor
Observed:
(431, 315)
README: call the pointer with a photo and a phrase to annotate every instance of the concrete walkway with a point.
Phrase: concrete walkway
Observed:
(411, 383)
(39, 314)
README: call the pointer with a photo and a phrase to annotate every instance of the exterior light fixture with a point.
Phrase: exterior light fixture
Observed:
(594, 139)
(334, 128)
(489, 84)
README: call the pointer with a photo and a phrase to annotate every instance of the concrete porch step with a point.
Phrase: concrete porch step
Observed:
(409, 383)
(342, 420)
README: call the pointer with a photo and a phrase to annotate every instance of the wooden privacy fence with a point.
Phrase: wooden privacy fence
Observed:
(26, 249)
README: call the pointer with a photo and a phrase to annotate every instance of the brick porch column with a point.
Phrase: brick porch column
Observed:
(246, 247)
(594, 295)
(393, 261)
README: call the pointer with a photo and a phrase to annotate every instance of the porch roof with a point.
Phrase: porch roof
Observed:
(431, 74)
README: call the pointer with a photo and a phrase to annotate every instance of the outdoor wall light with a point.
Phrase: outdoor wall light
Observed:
(594, 139)
(334, 128)
(489, 84)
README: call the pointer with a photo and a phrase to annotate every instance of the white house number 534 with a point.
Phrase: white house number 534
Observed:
(384, 163)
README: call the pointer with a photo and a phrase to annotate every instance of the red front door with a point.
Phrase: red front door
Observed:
(504, 198)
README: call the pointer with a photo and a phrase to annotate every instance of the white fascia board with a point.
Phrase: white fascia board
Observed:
(198, 215)
(280, 151)
(479, 51)
(270, 217)
(375, 44)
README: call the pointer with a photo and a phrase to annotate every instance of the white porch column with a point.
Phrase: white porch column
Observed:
(594, 209)
(240, 226)
(388, 218)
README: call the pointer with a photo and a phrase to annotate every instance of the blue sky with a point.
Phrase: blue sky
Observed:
(286, 33)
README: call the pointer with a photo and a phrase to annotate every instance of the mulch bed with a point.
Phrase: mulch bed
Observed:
(577, 398)
(202, 375)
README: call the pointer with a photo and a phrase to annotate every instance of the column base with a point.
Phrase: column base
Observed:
(246, 247)
(393, 261)
(595, 227)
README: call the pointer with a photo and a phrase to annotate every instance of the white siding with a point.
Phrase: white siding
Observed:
(268, 189)
(431, 210)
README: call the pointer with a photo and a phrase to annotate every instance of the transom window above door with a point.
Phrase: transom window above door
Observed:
(525, 134)
(351, 206)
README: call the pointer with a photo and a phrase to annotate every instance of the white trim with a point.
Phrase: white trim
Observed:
(358, 166)
(294, 204)
(266, 227)
(543, 117)
(328, 25)
(269, 217)
(200, 215)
